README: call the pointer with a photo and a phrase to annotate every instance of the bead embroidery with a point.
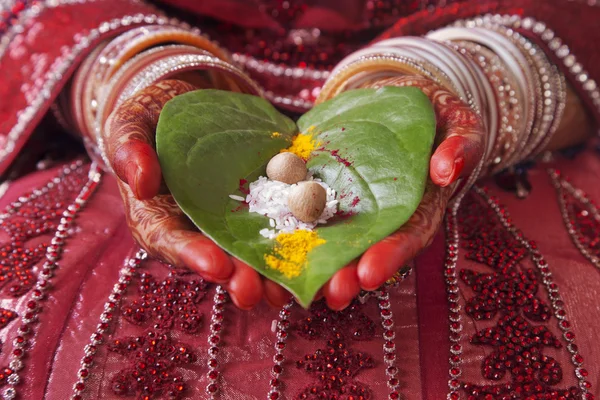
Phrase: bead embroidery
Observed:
(152, 369)
(29, 220)
(282, 335)
(163, 307)
(53, 190)
(6, 316)
(489, 238)
(127, 271)
(170, 304)
(580, 216)
(336, 366)
(518, 351)
(214, 341)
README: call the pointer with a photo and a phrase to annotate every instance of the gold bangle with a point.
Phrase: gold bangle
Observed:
(169, 35)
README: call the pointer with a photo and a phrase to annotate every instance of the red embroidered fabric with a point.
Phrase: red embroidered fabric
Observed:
(156, 342)
(511, 291)
(335, 367)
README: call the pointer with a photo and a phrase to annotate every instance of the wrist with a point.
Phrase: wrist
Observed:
(135, 60)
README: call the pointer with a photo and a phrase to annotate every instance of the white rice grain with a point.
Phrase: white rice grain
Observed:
(269, 198)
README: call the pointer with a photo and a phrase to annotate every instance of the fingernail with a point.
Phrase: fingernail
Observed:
(206, 263)
(459, 164)
(238, 303)
(211, 278)
(218, 269)
(448, 173)
(273, 304)
(133, 177)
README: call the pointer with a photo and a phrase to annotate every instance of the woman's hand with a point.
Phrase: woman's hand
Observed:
(460, 142)
(155, 220)
(164, 231)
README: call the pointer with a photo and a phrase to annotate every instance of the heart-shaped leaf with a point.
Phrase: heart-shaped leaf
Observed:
(374, 151)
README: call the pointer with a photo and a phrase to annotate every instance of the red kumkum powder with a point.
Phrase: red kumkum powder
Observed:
(242, 187)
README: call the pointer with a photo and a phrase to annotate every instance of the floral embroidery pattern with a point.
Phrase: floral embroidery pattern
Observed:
(580, 215)
(170, 304)
(510, 293)
(336, 366)
(32, 220)
(155, 357)
(151, 372)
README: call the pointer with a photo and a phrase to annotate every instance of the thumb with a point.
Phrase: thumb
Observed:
(455, 158)
(130, 137)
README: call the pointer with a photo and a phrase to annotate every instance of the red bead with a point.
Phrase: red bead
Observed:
(212, 388)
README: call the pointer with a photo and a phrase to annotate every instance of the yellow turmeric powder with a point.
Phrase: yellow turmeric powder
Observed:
(303, 144)
(291, 251)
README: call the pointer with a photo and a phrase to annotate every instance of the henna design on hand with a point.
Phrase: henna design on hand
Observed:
(157, 224)
(130, 129)
(459, 131)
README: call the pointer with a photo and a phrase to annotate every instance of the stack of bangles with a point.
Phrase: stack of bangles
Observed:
(135, 60)
(505, 78)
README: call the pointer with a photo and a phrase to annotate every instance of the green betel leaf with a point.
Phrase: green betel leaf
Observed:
(373, 148)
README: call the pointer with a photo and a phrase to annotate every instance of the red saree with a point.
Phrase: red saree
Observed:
(508, 312)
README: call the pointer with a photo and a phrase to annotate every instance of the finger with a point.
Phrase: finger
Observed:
(382, 260)
(136, 163)
(129, 136)
(204, 257)
(342, 287)
(460, 150)
(245, 286)
(448, 161)
(161, 228)
(275, 295)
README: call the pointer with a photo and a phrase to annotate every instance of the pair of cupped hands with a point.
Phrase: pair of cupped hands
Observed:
(165, 232)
